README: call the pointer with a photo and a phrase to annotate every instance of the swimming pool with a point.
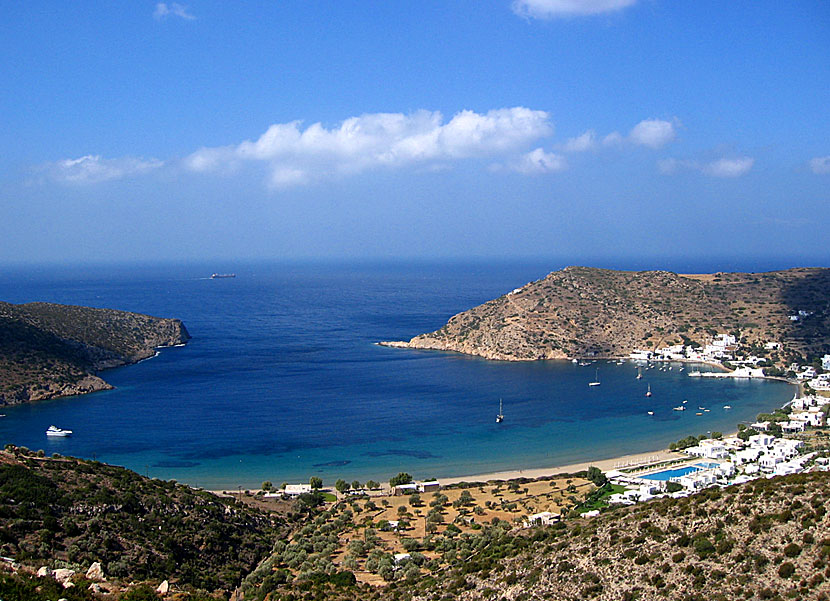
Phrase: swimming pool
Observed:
(665, 475)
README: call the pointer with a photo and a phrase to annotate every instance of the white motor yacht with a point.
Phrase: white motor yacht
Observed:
(55, 431)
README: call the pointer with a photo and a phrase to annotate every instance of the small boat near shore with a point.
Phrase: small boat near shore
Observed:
(55, 431)
(219, 276)
(680, 408)
(596, 381)
(500, 415)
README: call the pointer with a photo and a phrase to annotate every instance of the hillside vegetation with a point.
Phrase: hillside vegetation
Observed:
(765, 539)
(49, 350)
(583, 311)
(64, 510)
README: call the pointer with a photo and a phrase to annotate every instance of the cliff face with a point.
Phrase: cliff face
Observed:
(582, 311)
(49, 350)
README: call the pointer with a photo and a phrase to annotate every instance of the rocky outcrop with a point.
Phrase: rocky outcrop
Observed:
(95, 571)
(49, 350)
(583, 311)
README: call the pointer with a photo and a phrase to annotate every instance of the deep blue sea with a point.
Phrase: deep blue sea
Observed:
(283, 380)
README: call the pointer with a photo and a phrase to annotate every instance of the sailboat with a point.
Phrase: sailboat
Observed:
(596, 380)
(500, 416)
(648, 392)
(639, 374)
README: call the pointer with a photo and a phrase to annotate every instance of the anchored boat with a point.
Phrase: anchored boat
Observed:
(55, 431)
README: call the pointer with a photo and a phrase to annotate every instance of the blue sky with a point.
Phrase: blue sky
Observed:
(597, 129)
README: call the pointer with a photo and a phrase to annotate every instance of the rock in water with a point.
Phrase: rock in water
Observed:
(95, 572)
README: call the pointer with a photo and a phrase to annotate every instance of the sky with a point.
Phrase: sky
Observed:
(301, 129)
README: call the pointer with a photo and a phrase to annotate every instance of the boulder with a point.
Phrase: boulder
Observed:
(163, 588)
(63, 576)
(95, 572)
(97, 588)
(44, 571)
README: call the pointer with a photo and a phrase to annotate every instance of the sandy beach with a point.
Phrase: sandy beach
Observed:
(638, 459)
(623, 461)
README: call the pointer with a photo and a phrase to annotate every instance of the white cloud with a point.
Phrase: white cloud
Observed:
(538, 161)
(612, 139)
(724, 167)
(820, 165)
(587, 141)
(551, 9)
(377, 140)
(91, 169)
(735, 167)
(164, 10)
(653, 133)
(669, 166)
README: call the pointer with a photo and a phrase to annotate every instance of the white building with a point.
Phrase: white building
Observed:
(787, 446)
(697, 480)
(808, 374)
(542, 519)
(814, 417)
(769, 461)
(825, 362)
(294, 490)
(793, 426)
(746, 455)
(708, 448)
(761, 440)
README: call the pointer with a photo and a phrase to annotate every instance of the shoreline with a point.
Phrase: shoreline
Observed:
(612, 463)
(634, 460)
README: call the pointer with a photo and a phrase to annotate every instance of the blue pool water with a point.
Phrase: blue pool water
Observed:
(283, 380)
(666, 475)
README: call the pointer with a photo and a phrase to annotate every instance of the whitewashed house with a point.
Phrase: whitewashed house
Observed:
(295, 490)
(746, 455)
(813, 417)
(542, 519)
(768, 462)
(793, 426)
(761, 440)
(697, 480)
(708, 448)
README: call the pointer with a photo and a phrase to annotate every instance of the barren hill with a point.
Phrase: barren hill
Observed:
(584, 311)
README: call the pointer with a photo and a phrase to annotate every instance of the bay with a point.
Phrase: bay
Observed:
(283, 380)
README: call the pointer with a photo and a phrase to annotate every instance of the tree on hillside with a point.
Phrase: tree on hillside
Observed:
(315, 482)
(401, 478)
(596, 476)
(341, 486)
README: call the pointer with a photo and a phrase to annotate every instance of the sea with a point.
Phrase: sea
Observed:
(283, 379)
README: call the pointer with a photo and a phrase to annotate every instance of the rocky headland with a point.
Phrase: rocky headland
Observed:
(584, 311)
(49, 350)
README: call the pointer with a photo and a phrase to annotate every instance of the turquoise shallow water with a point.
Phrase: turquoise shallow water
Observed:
(282, 380)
